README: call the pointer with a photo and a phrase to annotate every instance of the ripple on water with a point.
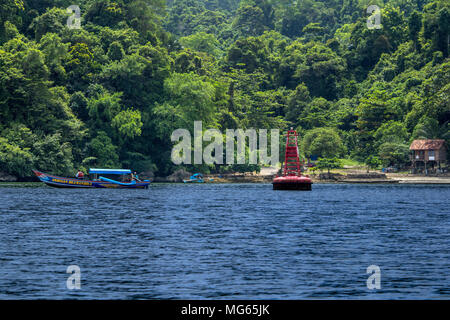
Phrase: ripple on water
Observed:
(235, 241)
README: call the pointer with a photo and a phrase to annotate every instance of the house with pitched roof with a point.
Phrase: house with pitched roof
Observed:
(428, 155)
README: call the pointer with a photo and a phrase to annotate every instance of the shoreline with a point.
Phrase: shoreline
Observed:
(259, 180)
(345, 181)
(338, 178)
(268, 174)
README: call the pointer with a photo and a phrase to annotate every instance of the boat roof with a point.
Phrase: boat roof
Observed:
(110, 171)
(197, 174)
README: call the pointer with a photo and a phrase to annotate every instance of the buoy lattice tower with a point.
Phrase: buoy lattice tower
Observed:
(291, 158)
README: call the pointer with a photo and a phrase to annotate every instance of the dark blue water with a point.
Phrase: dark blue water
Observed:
(215, 241)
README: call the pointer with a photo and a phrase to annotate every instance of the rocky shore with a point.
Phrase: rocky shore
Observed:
(267, 174)
(419, 179)
(320, 178)
(4, 177)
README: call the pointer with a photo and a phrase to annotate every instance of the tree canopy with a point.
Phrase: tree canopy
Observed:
(111, 92)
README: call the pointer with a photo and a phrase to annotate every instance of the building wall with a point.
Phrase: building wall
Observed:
(439, 155)
(442, 154)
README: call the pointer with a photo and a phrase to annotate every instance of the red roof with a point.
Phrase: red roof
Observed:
(429, 144)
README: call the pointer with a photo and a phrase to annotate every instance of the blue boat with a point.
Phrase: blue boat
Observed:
(195, 178)
(96, 182)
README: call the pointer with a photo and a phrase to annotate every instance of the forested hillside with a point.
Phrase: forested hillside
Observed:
(110, 93)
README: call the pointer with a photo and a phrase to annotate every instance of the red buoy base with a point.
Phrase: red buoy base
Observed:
(292, 183)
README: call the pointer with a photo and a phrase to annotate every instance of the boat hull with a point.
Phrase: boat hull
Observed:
(62, 182)
(193, 181)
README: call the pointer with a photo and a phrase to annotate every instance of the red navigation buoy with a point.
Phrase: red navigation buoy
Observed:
(292, 178)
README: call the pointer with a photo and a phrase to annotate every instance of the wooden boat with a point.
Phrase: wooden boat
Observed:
(195, 178)
(96, 182)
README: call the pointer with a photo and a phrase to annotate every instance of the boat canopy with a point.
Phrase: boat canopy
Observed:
(109, 171)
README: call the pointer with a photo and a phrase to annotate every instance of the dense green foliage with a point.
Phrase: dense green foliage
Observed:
(328, 163)
(111, 93)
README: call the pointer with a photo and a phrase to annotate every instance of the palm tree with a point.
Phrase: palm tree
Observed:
(430, 129)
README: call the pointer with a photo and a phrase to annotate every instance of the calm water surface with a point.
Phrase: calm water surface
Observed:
(226, 241)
